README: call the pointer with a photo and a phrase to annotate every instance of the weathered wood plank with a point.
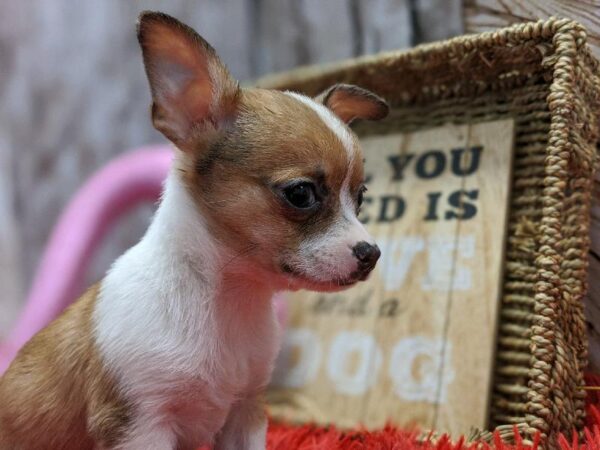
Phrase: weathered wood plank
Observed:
(436, 20)
(11, 245)
(290, 33)
(483, 15)
(382, 25)
(10, 275)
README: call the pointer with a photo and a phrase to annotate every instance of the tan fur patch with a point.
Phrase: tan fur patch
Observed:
(56, 394)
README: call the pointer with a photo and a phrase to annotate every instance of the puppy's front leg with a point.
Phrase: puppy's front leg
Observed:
(245, 428)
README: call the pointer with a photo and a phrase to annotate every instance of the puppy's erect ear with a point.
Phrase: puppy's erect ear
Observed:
(350, 102)
(191, 88)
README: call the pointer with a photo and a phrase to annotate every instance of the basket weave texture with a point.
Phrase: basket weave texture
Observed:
(543, 75)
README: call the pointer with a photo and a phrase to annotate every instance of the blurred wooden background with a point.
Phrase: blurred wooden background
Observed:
(73, 93)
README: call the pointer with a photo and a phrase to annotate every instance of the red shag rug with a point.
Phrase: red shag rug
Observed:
(312, 437)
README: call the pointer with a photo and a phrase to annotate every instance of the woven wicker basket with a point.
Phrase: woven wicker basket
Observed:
(542, 75)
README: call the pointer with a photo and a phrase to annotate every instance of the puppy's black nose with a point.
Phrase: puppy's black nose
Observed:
(367, 255)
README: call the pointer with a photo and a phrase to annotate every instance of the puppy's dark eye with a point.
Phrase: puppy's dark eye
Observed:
(301, 195)
(361, 193)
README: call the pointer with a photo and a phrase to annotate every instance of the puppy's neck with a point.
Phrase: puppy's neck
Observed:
(178, 234)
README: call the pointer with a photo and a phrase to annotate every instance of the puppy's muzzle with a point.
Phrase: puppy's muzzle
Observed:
(367, 255)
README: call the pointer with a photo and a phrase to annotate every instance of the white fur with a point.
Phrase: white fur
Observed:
(180, 331)
(329, 255)
(151, 436)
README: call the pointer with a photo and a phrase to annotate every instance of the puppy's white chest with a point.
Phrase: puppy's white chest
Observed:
(184, 340)
(235, 352)
(181, 348)
(239, 367)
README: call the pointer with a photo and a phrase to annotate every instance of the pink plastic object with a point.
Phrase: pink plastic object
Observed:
(125, 182)
(115, 189)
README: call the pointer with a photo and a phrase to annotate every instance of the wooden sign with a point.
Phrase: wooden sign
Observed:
(415, 343)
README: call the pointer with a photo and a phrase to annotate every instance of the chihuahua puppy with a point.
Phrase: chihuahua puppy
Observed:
(173, 348)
